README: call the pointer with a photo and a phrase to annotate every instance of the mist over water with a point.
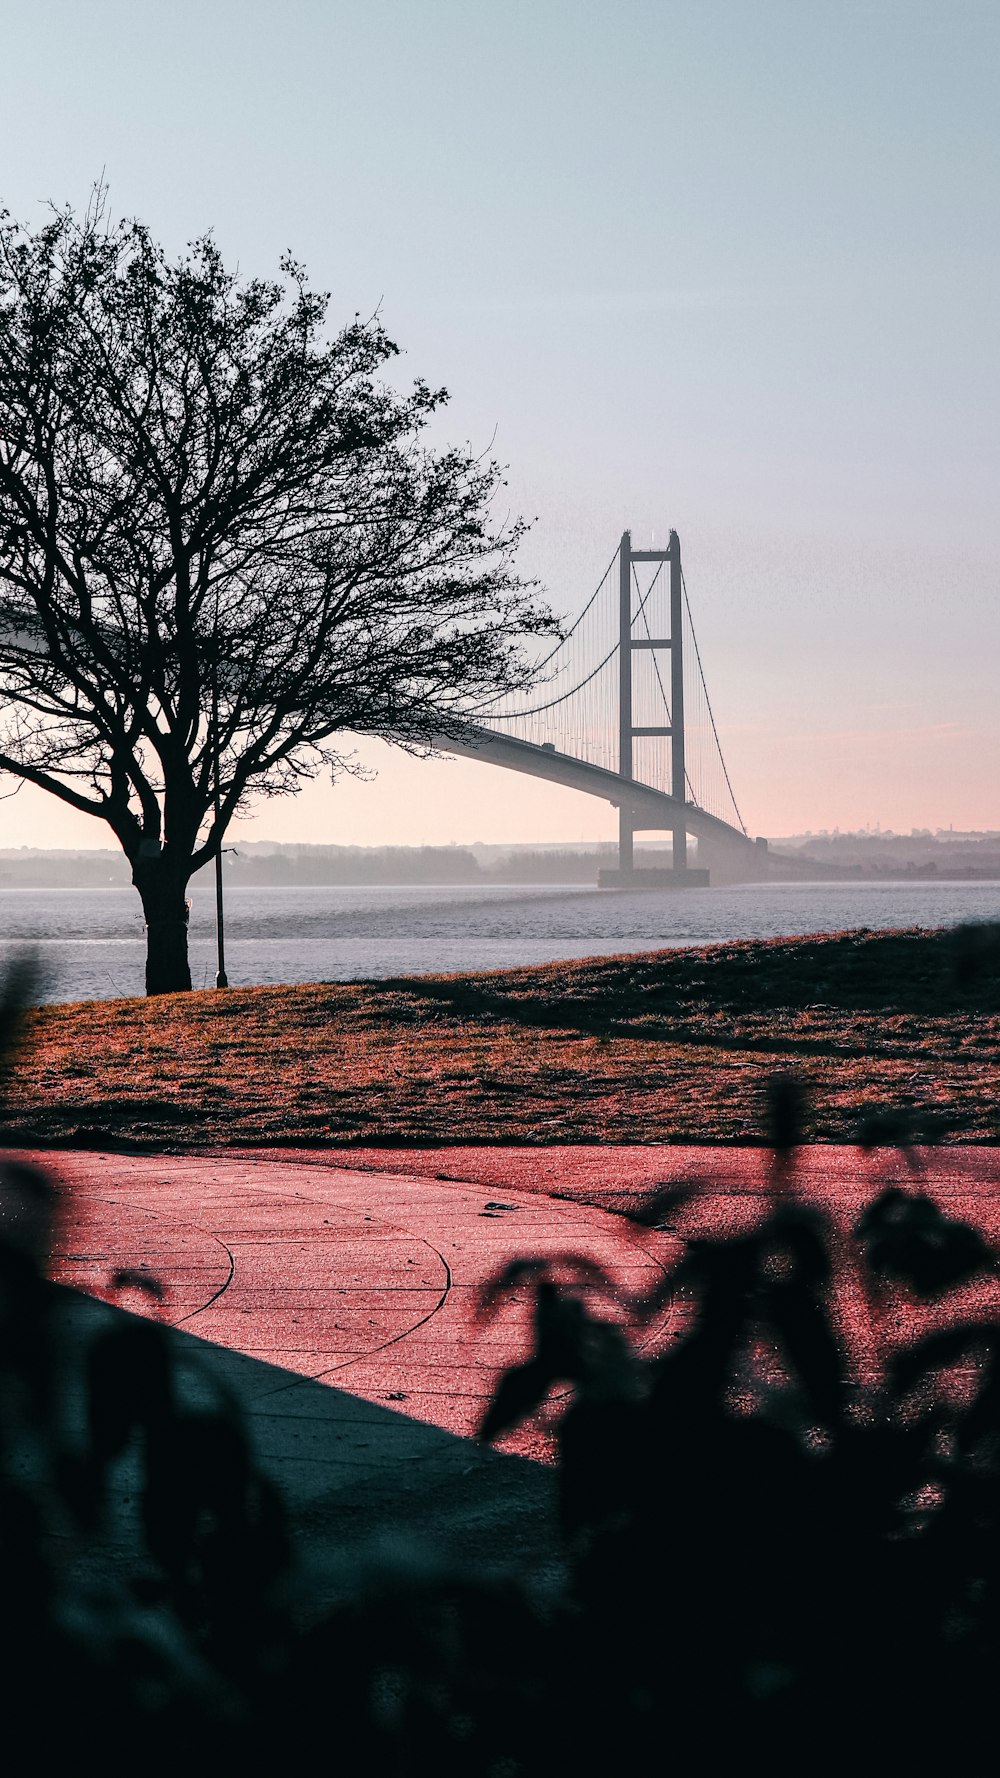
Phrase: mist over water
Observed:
(91, 945)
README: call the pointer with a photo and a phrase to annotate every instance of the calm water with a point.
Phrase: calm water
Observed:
(90, 943)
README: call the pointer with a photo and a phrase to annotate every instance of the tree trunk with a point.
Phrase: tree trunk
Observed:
(164, 903)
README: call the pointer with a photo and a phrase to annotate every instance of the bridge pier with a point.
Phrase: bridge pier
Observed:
(680, 874)
(653, 877)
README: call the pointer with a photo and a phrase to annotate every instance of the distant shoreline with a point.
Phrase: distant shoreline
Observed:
(831, 858)
(27, 879)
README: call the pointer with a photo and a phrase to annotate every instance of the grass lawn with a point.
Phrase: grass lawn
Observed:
(664, 1046)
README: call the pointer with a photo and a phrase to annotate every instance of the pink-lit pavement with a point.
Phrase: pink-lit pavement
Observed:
(339, 1307)
(368, 1275)
(366, 1279)
(337, 1292)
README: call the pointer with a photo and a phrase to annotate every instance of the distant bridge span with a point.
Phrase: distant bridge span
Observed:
(614, 688)
(646, 809)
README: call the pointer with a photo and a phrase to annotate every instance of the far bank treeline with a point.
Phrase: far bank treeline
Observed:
(301, 866)
(266, 864)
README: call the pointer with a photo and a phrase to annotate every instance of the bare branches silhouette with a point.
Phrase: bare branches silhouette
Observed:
(201, 492)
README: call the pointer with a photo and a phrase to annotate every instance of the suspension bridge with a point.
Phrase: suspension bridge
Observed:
(619, 709)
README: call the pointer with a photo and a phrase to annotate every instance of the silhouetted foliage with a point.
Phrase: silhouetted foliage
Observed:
(906, 1237)
(781, 1528)
(803, 1540)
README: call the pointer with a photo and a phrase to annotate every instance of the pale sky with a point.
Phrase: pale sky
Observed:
(731, 268)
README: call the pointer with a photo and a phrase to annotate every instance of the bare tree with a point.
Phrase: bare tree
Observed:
(202, 494)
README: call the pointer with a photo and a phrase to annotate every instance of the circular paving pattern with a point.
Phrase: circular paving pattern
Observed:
(371, 1281)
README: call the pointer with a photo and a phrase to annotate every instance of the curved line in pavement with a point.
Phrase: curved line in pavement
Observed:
(322, 1161)
(158, 1216)
(294, 1381)
(407, 1331)
(360, 1357)
(222, 1287)
(365, 1357)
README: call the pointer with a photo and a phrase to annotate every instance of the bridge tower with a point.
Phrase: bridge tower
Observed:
(629, 643)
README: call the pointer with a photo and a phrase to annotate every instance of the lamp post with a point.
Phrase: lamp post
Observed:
(221, 979)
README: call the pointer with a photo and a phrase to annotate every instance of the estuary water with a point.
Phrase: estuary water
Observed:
(90, 944)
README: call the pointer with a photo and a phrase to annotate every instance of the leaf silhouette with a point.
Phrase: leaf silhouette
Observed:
(127, 1278)
(555, 1268)
(129, 1385)
(519, 1392)
(906, 1237)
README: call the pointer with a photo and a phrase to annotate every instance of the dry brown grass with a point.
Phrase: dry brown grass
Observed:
(666, 1046)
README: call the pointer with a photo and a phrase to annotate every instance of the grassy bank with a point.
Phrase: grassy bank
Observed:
(664, 1046)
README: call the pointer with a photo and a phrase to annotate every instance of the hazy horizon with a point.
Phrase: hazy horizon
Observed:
(728, 269)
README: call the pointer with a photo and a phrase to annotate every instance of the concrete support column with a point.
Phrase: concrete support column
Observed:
(678, 782)
(625, 831)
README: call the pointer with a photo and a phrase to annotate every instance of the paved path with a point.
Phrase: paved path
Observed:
(368, 1276)
(369, 1280)
(730, 1180)
(338, 1306)
(337, 1302)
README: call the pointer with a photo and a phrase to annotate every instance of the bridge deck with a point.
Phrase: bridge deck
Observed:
(651, 810)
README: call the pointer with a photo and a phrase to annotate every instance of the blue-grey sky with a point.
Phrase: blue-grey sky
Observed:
(729, 267)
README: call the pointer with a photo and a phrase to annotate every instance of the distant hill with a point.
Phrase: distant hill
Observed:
(921, 854)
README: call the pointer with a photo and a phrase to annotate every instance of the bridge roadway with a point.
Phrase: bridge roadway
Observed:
(652, 811)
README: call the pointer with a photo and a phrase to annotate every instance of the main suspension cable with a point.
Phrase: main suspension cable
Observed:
(708, 706)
